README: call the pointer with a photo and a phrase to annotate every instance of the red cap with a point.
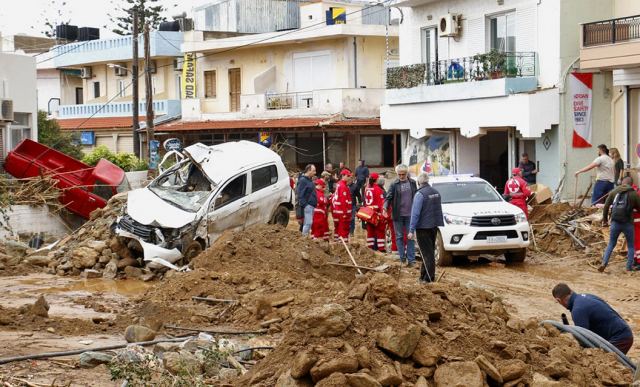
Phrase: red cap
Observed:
(345, 172)
(515, 171)
(374, 176)
(320, 182)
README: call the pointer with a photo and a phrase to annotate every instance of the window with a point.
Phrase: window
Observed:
(233, 191)
(79, 96)
(503, 32)
(371, 150)
(121, 88)
(210, 84)
(263, 177)
(21, 129)
(96, 89)
(102, 189)
(154, 81)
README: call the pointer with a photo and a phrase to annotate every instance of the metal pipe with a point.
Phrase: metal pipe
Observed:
(355, 62)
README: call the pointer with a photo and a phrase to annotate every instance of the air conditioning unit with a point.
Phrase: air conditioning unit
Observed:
(121, 71)
(85, 73)
(177, 64)
(449, 25)
(6, 110)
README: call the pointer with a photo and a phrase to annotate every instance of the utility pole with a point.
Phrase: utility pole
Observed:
(149, 100)
(134, 76)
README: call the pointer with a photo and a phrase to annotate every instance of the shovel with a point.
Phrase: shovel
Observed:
(378, 269)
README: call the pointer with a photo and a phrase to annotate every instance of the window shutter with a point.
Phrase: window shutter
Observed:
(210, 84)
(476, 36)
(526, 21)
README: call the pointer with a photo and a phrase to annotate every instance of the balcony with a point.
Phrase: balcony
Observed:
(487, 75)
(610, 44)
(117, 109)
(162, 44)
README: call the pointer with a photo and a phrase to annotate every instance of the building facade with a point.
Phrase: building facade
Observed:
(482, 82)
(18, 101)
(313, 92)
(96, 89)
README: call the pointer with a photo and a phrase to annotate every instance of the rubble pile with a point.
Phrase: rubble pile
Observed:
(338, 329)
(32, 191)
(560, 229)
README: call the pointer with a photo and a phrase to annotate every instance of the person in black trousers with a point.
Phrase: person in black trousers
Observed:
(426, 217)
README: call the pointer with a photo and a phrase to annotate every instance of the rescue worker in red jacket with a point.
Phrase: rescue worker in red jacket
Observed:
(320, 226)
(341, 207)
(374, 198)
(518, 191)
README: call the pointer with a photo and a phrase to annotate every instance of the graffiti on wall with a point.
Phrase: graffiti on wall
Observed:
(431, 154)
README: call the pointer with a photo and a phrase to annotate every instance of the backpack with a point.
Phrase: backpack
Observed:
(621, 208)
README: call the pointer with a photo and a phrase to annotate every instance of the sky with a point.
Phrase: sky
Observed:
(19, 16)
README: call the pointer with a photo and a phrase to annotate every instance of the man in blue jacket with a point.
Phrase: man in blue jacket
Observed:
(426, 217)
(594, 314)
(306, 194)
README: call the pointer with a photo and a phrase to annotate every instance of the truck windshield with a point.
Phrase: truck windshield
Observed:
(467, 192)
(183, 186)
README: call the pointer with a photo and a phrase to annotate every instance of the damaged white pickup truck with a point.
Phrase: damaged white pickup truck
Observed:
(213, 189)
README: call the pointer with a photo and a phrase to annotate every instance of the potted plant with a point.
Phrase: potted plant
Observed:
(481, 67)
(497, 61)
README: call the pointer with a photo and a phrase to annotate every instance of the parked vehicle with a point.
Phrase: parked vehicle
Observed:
(84, 188)
(213, 189)
(477, 220)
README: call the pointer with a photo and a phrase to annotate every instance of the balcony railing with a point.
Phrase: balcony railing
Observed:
(289, 101)
(116, 109)
(492, 65)
(611, 31)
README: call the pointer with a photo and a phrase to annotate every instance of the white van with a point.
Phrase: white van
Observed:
(213, 189)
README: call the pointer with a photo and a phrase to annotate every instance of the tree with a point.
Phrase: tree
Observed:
(49, 134)
(54, 13)
(148, 12)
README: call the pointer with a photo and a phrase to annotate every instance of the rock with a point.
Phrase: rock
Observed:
(388, 376)
(515, 383)
(40, 307)
(422, 382)
(358, 292)
(180, 363)
(611, 376)
(498, 310)
(84, 257)
(92, 359)
(166, 347)
(302, 364)
(90, 273)
(557, 369)
(531, 323)
(489, 369)
(511, 369)
(38, 260)
(227, 373)
(128, 261)
(138, 333)
(364, 357)
(464, 373)
(146, 277)
(325, 321)
(51, 330)
(400, 342)
(111, 270)
(14, 248)
(383, 286)
(516, 325)
(98, 246)
(362, 380)
(285, 380)
(426, 354)
(334, 380)
(540, 380)
(346, 363)
(133, 272)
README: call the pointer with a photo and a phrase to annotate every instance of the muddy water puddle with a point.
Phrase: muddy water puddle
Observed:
(65, 294)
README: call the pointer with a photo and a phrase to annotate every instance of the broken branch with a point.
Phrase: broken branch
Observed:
(213, 300)
(216, 332)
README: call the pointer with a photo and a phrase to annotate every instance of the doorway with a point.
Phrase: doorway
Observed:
(234, 89)
(494, 157)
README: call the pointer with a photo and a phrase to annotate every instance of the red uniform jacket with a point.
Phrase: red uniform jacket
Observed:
(517, 188)
(321, 208)
(341, 203)
(374, 197)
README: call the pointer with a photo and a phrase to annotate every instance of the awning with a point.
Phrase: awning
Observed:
(262, 124)
(97, 123)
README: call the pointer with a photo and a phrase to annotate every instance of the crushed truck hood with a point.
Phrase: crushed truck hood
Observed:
(147, 208)
(480, 209)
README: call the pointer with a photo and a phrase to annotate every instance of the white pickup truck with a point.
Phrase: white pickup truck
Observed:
(477, 220)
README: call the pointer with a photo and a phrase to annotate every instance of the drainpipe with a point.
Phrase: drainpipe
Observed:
(324, 149)
(355, 62)
(627, 125)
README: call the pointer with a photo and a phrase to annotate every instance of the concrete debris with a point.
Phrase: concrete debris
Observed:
(138, 333)
(93, 359)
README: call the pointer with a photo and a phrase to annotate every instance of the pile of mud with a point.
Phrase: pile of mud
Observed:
(552, 224)
(339, 329)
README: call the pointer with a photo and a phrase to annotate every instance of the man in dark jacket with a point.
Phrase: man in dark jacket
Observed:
(400, 199)
(528, 169)
(426, 217)
(622, 201)
(593, 313)
(306, 195)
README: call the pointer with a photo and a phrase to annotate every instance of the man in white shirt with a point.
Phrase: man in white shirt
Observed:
(605, 171)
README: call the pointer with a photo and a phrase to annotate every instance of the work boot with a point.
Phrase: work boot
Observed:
(411, 264)
(403, 260)
(601, 268)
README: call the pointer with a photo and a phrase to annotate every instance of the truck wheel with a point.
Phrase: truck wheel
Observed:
(192, 251)
(517, 257)
(281, 216)
(443, 257)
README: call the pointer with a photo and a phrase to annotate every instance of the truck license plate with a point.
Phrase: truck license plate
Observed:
(497, 239)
